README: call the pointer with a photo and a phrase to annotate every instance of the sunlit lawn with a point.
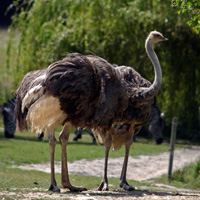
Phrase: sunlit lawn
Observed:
(25, 148)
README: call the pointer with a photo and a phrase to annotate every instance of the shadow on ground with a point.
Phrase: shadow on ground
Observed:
(134, 194)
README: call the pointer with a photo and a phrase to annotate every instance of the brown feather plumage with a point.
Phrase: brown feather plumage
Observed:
(92, 92)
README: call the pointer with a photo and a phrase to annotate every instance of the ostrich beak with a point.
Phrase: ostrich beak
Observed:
(164, 38)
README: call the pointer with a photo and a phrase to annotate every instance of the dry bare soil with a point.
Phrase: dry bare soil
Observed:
(159, 192)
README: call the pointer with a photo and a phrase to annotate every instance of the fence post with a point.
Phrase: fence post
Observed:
(172, 144)
(199, 116)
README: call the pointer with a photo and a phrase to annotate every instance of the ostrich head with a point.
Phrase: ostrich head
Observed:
(155, 37)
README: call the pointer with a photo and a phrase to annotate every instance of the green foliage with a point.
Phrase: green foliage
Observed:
(190, 8)
(116, 31)
(6, 74)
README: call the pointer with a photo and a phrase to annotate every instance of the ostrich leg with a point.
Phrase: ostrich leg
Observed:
(52, 143)
(104, 183)
(123, 183)
(64, 135)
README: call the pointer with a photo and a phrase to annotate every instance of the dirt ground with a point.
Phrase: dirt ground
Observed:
(144, 168)
(163, 192)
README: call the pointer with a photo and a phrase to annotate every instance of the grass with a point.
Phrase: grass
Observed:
(188, 177)
(26, 149)
(17, 179)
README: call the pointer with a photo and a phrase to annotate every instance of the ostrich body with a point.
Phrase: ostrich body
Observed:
(88, 92)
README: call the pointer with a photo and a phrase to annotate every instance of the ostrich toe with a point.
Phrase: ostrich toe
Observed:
(75, 188)
(126, 186)
(54, 188)
(103, 186)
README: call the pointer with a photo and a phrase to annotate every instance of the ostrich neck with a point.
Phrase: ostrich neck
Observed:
(153, 89)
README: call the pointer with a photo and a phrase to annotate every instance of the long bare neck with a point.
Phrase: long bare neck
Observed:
(153, 89)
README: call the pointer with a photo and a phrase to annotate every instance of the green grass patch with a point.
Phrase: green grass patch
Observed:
(16, 178)
(25, 148)
(188, 177)
(12, 178)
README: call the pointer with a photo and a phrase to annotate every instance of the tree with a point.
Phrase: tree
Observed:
(191, 8)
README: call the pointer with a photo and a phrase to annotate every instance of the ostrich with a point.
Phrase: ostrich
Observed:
(88, 92)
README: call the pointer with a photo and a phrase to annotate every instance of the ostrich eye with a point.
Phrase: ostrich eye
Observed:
(158, 35)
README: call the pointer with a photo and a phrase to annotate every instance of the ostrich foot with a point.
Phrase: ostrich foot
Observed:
(54, 188)
(74, 188)
(103, 186)
(126, 186)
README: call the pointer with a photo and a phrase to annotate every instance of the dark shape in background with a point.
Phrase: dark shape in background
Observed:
(8, 118)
